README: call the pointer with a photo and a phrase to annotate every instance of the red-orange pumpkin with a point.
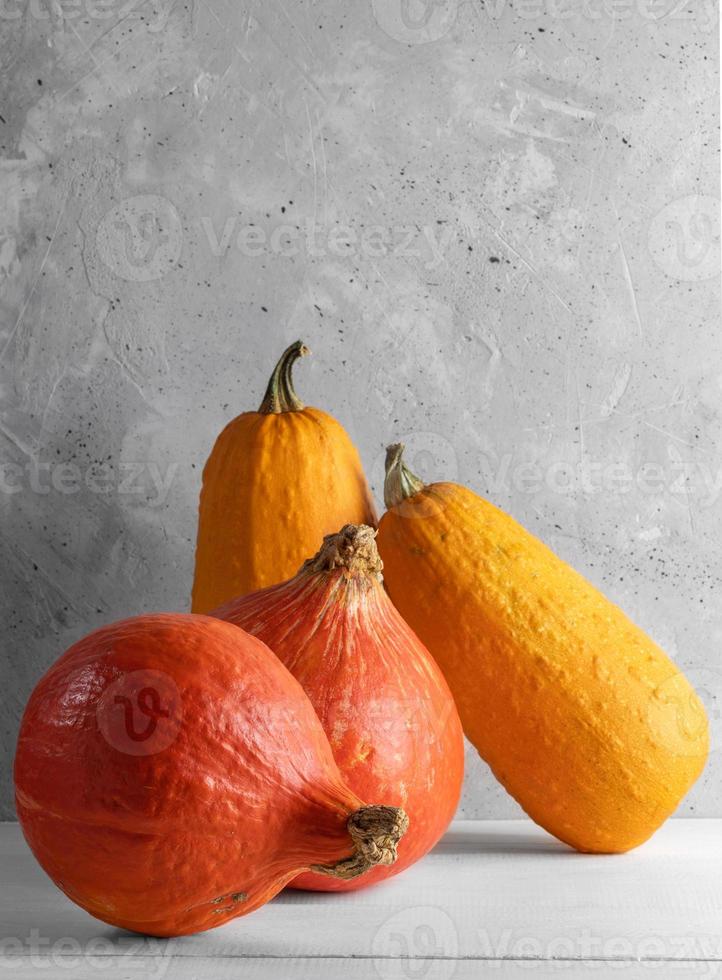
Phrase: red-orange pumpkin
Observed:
(383, 702)
(172, 775)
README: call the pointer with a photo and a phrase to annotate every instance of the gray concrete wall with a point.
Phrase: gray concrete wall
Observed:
(496, 226)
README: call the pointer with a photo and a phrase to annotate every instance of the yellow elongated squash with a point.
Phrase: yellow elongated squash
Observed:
(581, 716)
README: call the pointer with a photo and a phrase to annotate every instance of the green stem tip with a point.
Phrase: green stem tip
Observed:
(280, 396)
(400, 483)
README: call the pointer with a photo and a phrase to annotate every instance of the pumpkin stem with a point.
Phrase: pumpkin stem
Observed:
(400, 483)
(375, 831)
(353, 548)
(280, 396)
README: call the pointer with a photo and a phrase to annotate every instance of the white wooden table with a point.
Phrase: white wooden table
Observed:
(497, 898)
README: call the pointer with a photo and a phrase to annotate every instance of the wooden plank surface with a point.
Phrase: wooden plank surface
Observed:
(497, 895)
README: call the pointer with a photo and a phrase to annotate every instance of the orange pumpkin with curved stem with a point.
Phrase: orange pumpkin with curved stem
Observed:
(172, 775)
(383, 702)
(276, 482)
(583, 719)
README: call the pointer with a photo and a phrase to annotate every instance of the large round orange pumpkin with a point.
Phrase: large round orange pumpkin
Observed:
(171, 775)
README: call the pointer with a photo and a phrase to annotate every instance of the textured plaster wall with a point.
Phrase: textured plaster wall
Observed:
(495, 224)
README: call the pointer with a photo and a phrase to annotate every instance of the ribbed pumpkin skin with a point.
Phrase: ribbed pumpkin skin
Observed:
(209, 827)
(273, 486)
(383, 702)
(582, 718)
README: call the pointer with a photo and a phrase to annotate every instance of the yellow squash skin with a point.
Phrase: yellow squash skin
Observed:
(276, 482)
(582, 718)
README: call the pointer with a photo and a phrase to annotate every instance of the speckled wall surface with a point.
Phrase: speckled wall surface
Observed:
(496, 226)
